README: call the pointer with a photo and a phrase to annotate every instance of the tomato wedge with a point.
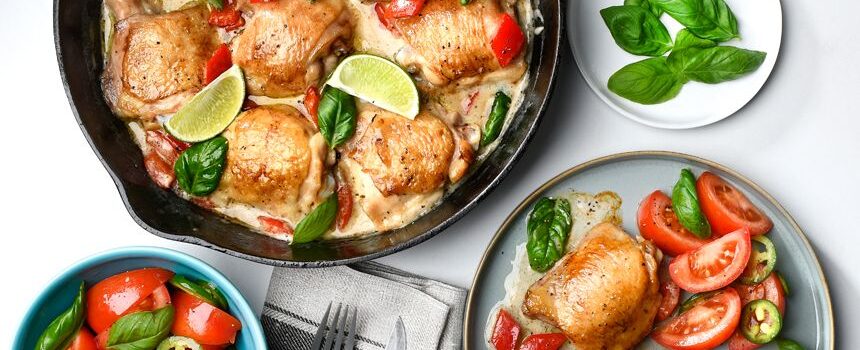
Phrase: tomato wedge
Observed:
(508, 41)
(344, 202)
(312, 102)
(770, 289)
(714, 265)
(727, 209)
(84, 340)
(670, 295)
(546, 341)
(220, 62)
(159, 298)
(203, 322)
(705, 326)
(658, 223)
(506, 332)
(118, 295)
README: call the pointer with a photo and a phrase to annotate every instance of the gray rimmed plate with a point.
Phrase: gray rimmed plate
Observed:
(809, 315)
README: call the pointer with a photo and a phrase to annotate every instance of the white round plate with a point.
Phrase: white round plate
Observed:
(698, 104)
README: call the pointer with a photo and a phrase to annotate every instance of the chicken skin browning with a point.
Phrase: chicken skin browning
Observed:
(157, 62)
(604, 294)
(449, 41)
(288, 45)
(275, 162)
(403, 156)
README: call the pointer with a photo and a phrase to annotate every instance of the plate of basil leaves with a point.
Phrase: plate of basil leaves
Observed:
(675, 64)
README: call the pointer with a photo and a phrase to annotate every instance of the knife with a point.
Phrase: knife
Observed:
(397, 340)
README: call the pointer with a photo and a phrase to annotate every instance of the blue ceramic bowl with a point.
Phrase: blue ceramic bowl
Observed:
(58, 296)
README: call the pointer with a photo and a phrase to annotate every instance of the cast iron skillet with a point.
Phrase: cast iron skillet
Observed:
(78, 43)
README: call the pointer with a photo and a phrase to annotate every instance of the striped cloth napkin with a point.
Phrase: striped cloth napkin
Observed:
(297, 299)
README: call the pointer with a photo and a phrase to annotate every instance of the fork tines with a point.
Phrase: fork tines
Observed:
(337, 331)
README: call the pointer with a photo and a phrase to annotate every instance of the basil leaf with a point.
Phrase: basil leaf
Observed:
(646, 4)
(649, 81)
(707, 19)
(637, 30)
(336, 115)
(198, 170)
(716, 64)
(685, 204)
(548, 228)
(63, 329)
(496, 119)
(202, 291)
(684, 40)
(141, 330)
(218, 4)
(317, 221)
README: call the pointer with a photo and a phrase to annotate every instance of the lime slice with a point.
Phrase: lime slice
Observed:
(209, 112)
(378, 81)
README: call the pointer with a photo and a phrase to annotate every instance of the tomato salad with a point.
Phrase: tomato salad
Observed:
(720, 251)
(150, 309)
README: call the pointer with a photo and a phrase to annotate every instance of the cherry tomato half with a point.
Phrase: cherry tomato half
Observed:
(705, 326)
(670, 295)
(546, 341)
(727, 209)
(84, 340)
(202, 321)
(119, 295)
(714, 265)
(506, 332)
(658, 223)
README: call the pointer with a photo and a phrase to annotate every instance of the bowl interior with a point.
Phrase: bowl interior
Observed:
(57, 297)
(78, 43)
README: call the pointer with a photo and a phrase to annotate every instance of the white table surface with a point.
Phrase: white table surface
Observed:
(798, 139)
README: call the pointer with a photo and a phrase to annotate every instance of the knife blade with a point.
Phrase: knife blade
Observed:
(397, 340)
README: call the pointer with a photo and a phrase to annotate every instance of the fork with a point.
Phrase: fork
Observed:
(336, 332)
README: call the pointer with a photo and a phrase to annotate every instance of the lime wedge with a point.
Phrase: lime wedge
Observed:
(209, 112)
(378, 81)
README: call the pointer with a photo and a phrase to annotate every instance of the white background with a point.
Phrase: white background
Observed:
(798, 139)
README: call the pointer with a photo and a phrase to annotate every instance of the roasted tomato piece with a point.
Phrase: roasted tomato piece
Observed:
(713, 265)
(508, 41)
(727, 209)
(705, 326)
(506, 332)
(312, 102)
(546, 341)
(119, 295)
(670, 295)
(275, 226)
(220, 62)
(658, 223)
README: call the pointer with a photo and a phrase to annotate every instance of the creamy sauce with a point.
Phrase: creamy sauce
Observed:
(587, 211)
(464, 105)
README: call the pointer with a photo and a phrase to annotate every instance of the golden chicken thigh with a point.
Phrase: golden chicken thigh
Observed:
(403, 156)
(288, 45)
(157, 62)
(449, 41)
(604, 294)
(275, 162)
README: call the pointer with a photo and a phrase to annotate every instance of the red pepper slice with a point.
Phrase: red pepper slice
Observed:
(509, 40)
(344, 203)
(546, 341)
(220, 62)
(506, 332)
(312, 102)
(228, 17)
(275, 226)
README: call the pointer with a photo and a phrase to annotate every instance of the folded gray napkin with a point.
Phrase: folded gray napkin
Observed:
(297, 299)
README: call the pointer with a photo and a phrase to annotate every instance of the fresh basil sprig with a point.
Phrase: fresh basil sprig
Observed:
(649, 81)
(686, 40)
(707, 19)
(496, 119)
(317, 222)
(201, 290)
(715, 64)
(141, 330)
(636, 30)
(198, 170)
(337, 116)
(548, 227)
(646, 4)
(63, 329)
(685, 204)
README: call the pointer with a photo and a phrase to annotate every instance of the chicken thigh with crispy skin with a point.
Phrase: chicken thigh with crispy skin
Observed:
(157, 62)
(449, 41)
(604, 294)
(275, 162)
(288, 45)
